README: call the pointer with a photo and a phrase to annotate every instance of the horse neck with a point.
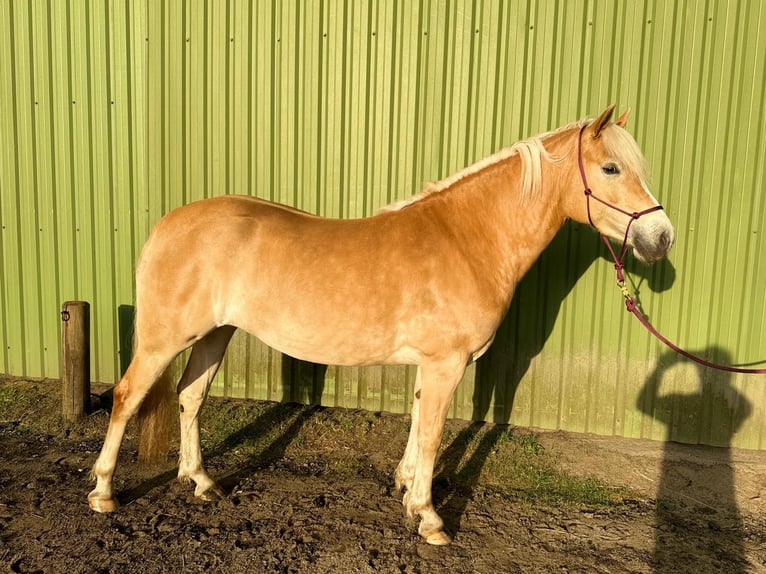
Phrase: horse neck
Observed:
(506, 230)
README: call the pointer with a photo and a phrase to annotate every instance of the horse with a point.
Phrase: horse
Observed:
(424, 282)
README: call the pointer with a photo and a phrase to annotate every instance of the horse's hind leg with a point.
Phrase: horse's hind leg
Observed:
(143, 372)
(206, 357)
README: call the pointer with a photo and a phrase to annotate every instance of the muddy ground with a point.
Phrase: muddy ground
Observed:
(317, 496)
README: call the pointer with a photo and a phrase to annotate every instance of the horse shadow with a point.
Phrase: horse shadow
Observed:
(303, 384)
(710, 414)
(520, 338)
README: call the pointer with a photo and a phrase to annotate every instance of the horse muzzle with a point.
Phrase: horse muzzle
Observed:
(652, 242)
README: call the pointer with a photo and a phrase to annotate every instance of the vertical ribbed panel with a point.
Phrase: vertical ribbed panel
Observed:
(113, 113)
(73, 161)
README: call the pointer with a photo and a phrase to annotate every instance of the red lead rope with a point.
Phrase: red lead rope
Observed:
(630, 302)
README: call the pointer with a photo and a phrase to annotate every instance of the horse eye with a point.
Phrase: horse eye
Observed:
(610, 169)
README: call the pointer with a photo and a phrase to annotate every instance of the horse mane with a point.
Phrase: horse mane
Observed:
(532, 151)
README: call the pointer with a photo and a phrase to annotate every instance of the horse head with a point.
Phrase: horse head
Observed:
(617, 201)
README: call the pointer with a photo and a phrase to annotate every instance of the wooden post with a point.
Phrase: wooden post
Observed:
(75, 371)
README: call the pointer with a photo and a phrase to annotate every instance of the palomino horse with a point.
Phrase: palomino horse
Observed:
(424, 282)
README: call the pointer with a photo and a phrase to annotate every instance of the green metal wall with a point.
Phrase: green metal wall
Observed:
(114, 112)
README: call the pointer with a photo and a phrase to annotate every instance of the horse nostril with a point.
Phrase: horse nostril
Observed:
(666, 240)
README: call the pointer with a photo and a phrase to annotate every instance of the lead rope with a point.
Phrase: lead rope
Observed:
(630, 302)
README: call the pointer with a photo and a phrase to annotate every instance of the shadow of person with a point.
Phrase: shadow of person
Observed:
(709, 414)
(519, 339)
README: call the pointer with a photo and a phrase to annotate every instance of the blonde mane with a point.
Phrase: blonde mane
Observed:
(532, 151)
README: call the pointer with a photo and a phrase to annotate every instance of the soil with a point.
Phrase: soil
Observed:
(694, 509)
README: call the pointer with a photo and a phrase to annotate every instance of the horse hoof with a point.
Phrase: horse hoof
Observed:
(437, 538)
(99, 504)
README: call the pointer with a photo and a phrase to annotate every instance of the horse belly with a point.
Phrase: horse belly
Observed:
(326, 339)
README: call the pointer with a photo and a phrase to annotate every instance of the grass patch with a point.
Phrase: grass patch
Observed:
(31, 407)
(516, 461)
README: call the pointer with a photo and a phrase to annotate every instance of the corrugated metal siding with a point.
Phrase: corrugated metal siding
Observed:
(112, 113)
(73, 162)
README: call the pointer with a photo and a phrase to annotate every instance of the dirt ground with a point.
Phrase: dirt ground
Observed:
(695, 509)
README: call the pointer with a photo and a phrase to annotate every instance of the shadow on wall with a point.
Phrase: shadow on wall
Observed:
(710, 413)
(535, 308)
(126, 315)
(303, 382)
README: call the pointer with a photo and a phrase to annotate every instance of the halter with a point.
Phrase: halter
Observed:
(632, 215)
(630, 302)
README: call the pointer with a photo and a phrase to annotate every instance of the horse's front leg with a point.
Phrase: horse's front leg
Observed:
(405, 472)
(438, 382)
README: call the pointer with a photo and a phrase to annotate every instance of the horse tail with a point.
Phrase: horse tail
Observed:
(156, 419)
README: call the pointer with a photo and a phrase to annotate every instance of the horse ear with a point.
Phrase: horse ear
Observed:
(602, 121)
(623, 119)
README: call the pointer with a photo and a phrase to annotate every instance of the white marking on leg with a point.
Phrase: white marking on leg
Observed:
(406, 469)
